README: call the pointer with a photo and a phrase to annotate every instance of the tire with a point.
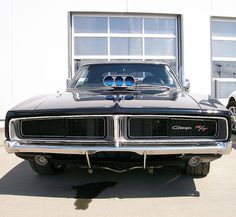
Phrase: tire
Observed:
(232, 109)
(200, 170)
(49, 169)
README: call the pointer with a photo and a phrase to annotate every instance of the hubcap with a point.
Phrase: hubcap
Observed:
(232, 111)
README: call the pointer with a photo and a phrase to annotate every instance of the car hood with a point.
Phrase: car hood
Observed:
(95, 101)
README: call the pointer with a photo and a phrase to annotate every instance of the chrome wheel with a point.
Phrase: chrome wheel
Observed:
(232, 110)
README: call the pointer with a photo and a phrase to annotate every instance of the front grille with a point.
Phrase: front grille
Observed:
(171, 128)
(141, 127)
(144, 128)
(63, 128)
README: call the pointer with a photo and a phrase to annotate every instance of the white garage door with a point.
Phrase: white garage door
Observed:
(101, 37)
(223, 57)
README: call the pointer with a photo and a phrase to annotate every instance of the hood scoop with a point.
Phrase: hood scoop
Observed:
(120, 85)
(119, 81)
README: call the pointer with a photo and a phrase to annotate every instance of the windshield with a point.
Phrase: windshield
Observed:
(146, 75)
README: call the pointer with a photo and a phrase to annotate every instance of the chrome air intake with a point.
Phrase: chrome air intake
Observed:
(119, 81)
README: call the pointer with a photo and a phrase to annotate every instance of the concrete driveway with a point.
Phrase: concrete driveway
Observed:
(76, 193)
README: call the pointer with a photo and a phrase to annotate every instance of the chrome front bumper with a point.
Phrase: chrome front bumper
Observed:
(165, 149)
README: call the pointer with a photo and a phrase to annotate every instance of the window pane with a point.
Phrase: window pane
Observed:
(224, 48)
(126, 46)
(90, 24)
(224, 69)
(125, 25)
(224, 28)
(90, 46)
(159, 47)
(160, 26)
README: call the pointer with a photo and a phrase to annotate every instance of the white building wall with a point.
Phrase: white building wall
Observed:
(5, 58)
(34, 41)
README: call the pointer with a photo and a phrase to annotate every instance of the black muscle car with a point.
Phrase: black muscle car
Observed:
(120, 116)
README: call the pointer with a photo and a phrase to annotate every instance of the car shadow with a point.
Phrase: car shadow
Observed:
(78, 183)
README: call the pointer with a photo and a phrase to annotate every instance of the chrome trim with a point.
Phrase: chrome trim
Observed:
(88, 161)
(119, 137)
(144, 160)
(216, 148)
(116, 131)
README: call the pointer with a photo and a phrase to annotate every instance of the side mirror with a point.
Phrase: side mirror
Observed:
(68, 83)
(186, 85)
